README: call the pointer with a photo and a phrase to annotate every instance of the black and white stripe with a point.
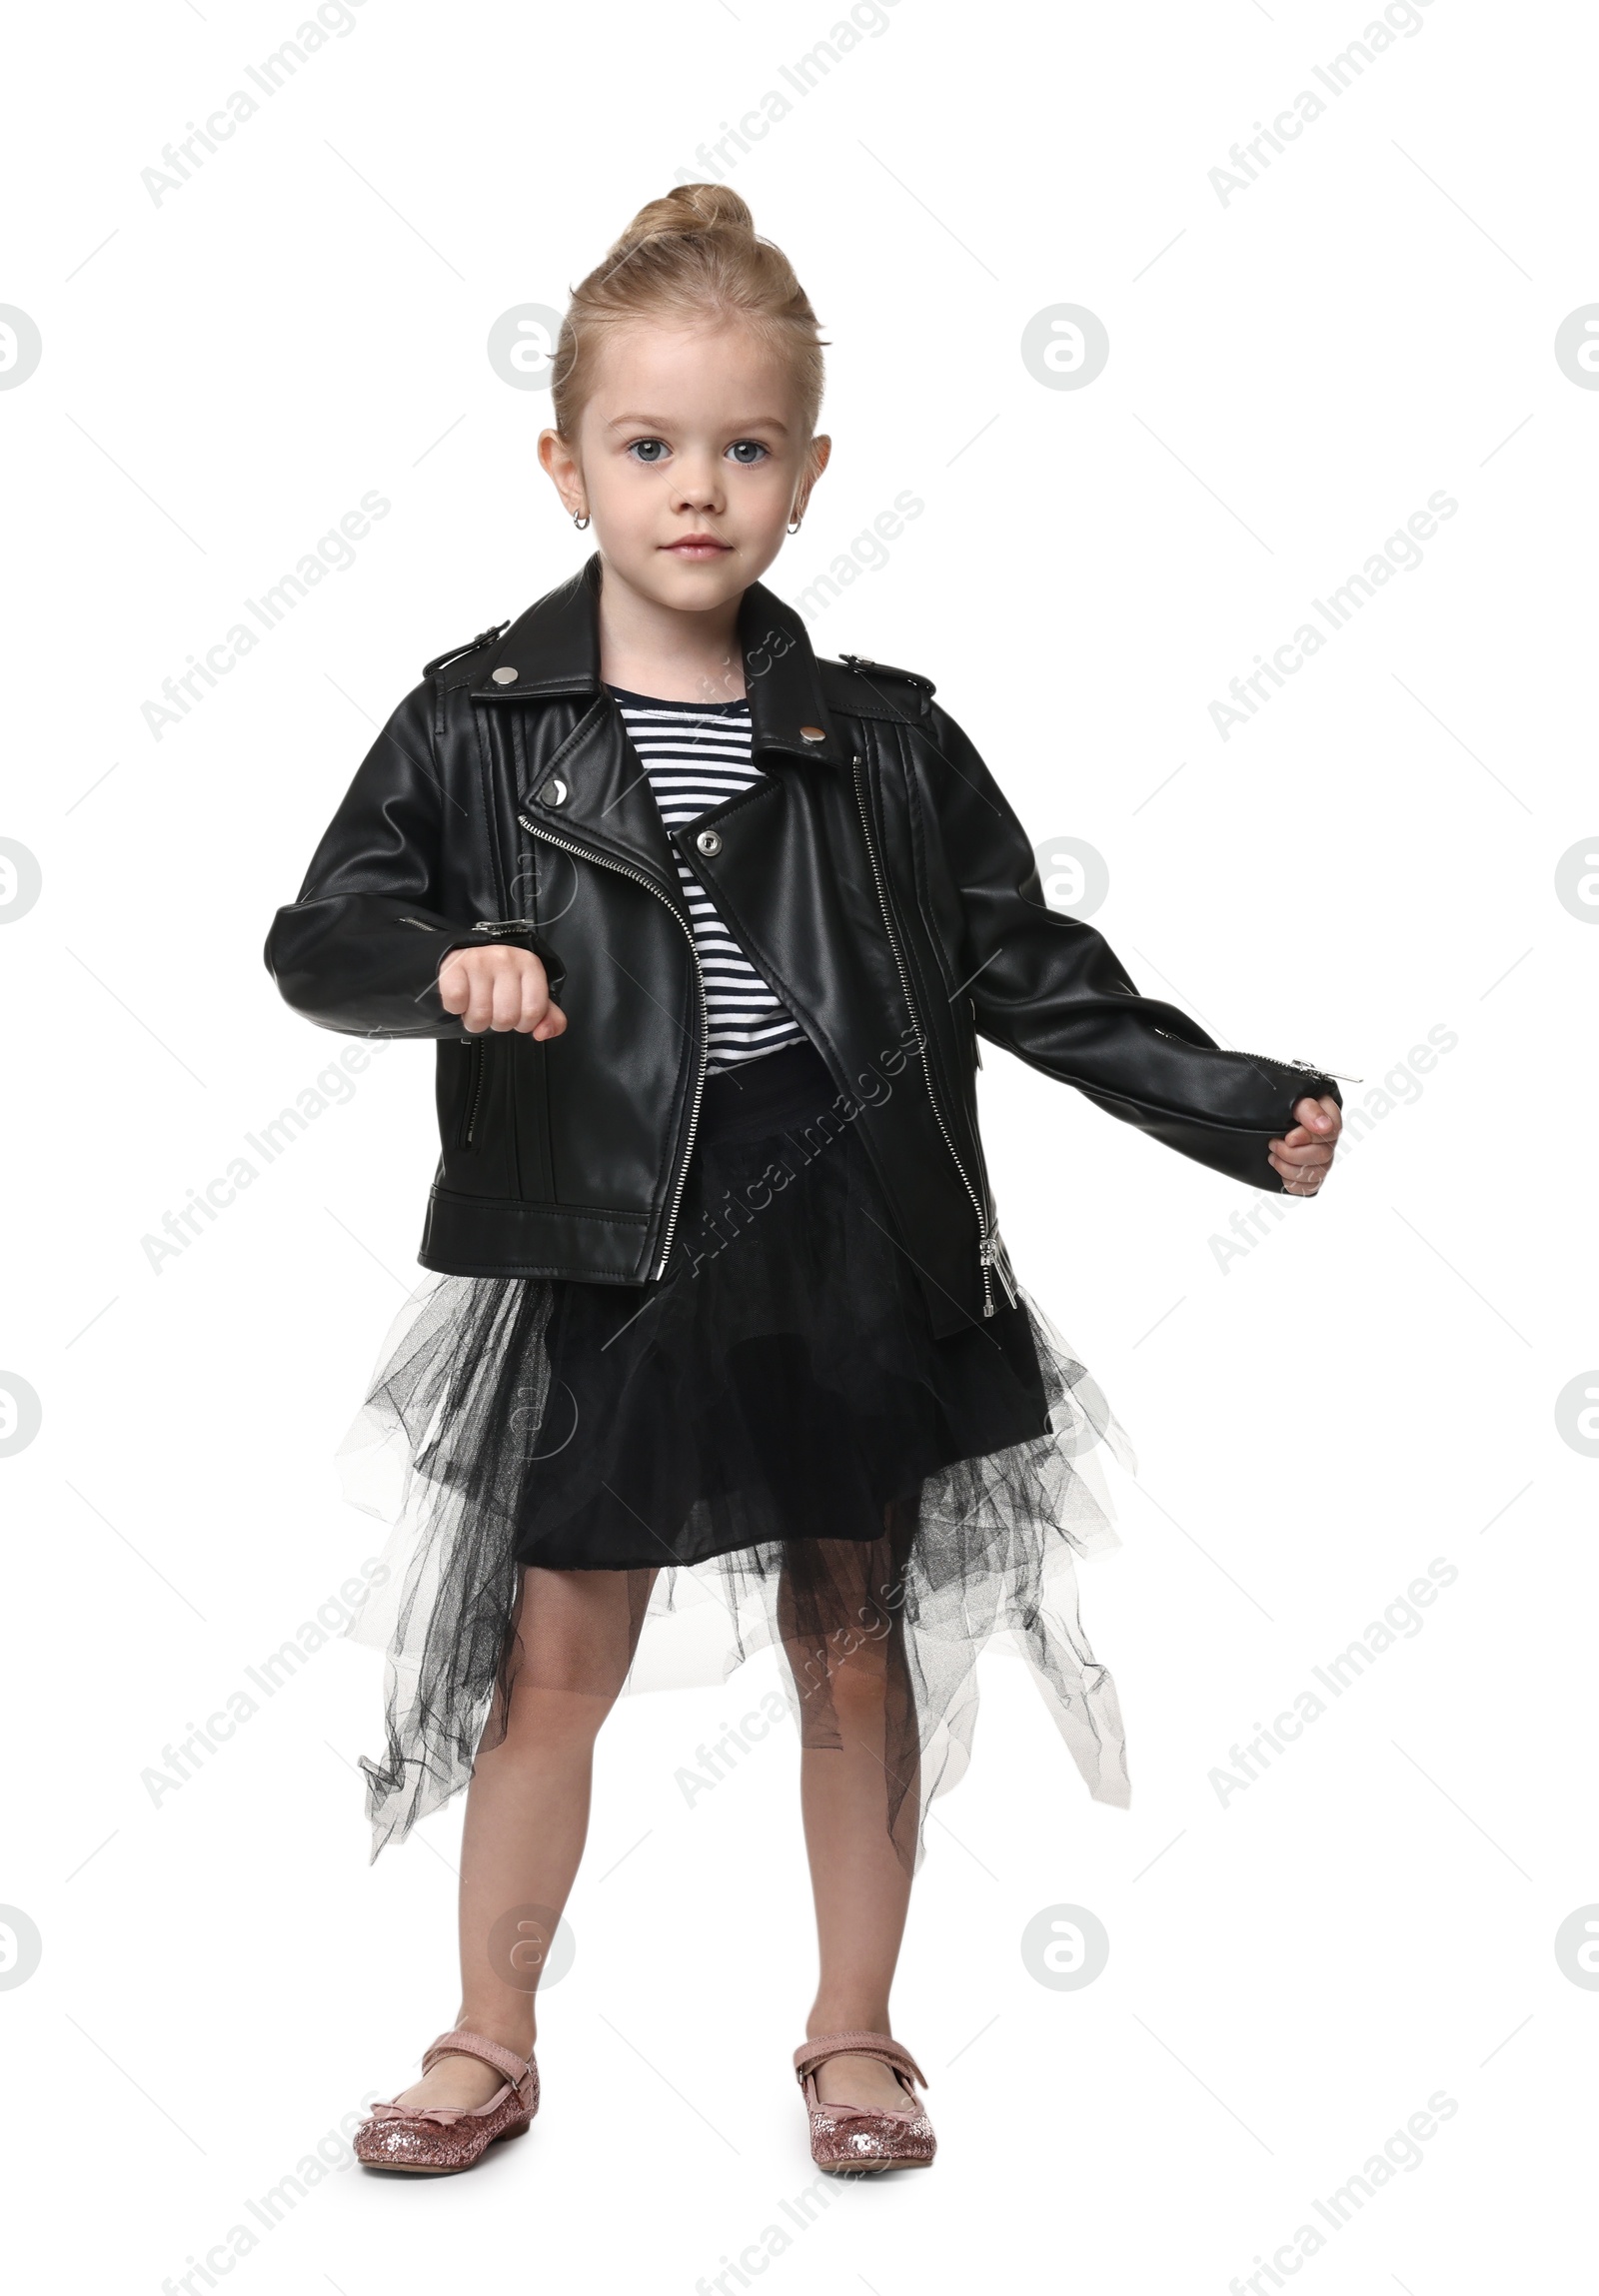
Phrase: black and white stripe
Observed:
(696, 755)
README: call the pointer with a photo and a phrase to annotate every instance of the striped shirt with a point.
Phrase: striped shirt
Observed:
(696, 755)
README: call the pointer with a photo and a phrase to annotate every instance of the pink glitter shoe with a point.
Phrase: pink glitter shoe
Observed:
(438, 2140)
(844, 2137)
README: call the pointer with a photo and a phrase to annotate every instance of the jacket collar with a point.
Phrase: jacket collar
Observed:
(554, 649)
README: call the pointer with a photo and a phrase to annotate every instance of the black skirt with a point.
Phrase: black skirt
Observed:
(773, 1447)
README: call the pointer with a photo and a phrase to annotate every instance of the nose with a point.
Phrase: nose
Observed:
(699, 485)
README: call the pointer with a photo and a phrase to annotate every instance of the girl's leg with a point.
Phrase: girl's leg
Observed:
(528, 1804)
(860, 1764)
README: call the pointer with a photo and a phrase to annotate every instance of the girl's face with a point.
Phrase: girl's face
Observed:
(691, 460)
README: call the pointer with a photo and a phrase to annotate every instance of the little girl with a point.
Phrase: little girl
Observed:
(720, 1322)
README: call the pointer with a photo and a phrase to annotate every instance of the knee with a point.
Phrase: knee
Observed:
(846, 1669)
(857, 1689)
(555, 1713)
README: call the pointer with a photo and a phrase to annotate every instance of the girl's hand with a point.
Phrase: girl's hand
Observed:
(501, 988)
(1303, 1158)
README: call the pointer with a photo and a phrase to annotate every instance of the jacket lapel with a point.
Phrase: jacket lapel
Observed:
(607, 805)
(604, 797)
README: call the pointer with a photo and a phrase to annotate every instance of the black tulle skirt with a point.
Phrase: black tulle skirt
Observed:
(768, 1448)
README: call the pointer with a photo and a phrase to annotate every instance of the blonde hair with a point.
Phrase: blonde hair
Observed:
(694, 255)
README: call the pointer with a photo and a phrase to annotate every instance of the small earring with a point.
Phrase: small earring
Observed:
(795, 526)
(579, 522)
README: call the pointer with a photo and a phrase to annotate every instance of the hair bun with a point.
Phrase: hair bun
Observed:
(693, 260)
(692, 209)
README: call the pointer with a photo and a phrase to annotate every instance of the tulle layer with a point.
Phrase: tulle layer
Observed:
(767, 1449)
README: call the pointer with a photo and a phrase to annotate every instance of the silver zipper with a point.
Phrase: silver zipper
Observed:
(991, 1254)
(999, 1260)
(1309, 1066)
(475, 1101)
(604, 862)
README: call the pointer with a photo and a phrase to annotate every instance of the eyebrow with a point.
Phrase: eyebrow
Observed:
(662, 423)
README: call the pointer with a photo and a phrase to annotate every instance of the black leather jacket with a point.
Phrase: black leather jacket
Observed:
(878, 877)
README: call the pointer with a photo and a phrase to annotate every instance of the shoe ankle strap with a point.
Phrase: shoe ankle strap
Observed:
(855, 2043)
(464, 2044)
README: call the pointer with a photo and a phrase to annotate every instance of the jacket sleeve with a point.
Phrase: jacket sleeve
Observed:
(1051, 989)
(361, 948)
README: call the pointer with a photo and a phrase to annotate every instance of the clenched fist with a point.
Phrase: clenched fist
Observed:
(501, 988)
(1304, 1157)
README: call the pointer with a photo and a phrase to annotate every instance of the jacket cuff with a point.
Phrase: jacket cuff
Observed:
(1303, 1083)
(1241, 1151)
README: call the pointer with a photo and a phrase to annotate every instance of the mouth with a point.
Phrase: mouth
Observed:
(697, 546)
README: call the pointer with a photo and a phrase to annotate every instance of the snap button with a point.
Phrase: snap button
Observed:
(709, 841)
(812, 733)
(506, 676)
(554, 792)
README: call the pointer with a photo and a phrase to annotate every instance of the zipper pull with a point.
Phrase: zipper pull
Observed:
(1007, 1277)
(992, 1253)
(1338, 1072)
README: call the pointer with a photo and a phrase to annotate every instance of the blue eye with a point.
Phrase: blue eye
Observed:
(749, 454)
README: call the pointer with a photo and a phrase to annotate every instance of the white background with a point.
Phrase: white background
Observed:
(1292, 1972)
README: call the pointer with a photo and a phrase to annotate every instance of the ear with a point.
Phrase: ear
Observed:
(816, 457)
(562, 468)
